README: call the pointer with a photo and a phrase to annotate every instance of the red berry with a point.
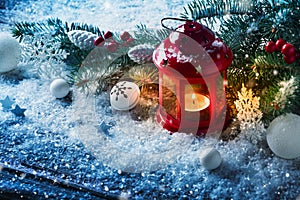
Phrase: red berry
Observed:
(125, 36)
(108, 34)
(99, 41)
(112, 46)
(270, 47)
(289, 59)
(288, 50)
(279, 43)
(276, 107)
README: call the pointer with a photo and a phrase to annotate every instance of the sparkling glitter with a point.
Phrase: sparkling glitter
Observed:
(44, 142)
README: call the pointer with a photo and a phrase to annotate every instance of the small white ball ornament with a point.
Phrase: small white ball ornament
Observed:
(124, 96)
(59, 88)
(283, 136)
(210, 158)
(10, 52)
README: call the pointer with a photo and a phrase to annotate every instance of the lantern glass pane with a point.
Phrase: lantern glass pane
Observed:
(220, 93)
(169, 98)
(197, 102)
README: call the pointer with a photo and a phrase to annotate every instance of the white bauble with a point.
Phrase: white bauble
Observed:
(210, 158)
(283, 136)
(124, 95)
(10, 52)
(59, 88)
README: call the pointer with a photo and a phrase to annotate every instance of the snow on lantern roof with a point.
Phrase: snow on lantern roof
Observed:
(194, 51)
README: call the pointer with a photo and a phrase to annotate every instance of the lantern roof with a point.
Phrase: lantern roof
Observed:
(194, 51)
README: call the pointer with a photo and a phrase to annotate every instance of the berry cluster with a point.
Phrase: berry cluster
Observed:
(110, 44)
(287, 49)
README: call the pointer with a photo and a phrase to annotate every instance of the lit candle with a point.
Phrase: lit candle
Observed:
(196, 102)
(193, 97)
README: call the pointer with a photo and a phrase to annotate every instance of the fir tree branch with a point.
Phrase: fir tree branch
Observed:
(143, 35)
(199, 9)
(58, 30)
(52, 26)
(85, 27)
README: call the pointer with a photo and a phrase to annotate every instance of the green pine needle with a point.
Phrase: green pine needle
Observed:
(144, 35)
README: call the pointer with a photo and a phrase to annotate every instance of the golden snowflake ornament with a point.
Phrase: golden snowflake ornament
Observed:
(249, 115)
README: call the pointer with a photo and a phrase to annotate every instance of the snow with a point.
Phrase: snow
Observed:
(81, 142)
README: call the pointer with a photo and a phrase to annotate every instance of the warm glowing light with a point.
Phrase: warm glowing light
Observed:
(194, 98)
(196, 102)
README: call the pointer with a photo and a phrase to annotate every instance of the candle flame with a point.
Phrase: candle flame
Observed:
(193, 97)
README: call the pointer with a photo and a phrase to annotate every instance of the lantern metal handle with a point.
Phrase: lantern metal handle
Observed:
(174, 19)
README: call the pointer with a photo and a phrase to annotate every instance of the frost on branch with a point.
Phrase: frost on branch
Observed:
(249, 115)
(287, 89)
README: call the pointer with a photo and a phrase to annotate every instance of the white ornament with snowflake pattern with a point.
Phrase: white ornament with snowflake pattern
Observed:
(82, 39)
(124, 96)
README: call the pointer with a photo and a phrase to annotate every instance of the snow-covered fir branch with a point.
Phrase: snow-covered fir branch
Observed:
(286, 90)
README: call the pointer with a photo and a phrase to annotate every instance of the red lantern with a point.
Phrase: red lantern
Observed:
(192, 65)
